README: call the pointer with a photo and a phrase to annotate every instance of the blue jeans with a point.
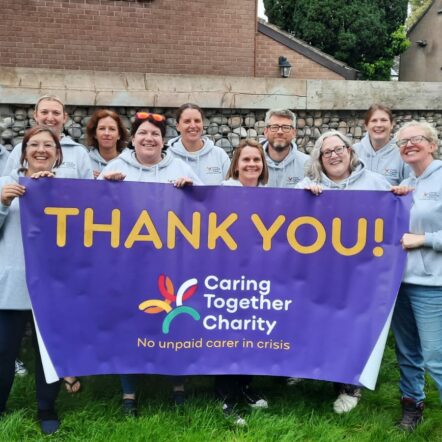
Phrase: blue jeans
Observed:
(417, 326)
(128, 383)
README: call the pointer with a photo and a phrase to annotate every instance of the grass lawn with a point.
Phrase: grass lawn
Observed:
(299, 413)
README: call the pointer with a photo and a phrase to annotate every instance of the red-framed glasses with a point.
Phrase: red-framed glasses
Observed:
(146, 115)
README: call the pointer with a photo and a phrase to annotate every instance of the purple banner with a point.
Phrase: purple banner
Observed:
(147, 278)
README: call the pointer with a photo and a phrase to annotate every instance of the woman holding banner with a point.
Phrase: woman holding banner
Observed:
(209, 162)
(148, 163)
(50, 111)
(417, 318)
(248, 169)
(106, 136)
(334, 165)
(41, 153)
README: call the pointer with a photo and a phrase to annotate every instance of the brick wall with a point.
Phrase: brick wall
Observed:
(160, 36)
(268, 51)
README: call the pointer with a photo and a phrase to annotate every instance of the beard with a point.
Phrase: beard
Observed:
(281, 146)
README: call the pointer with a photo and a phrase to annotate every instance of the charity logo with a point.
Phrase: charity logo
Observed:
(292, 180)
(165, 285)
(391, 172)
(213, 169)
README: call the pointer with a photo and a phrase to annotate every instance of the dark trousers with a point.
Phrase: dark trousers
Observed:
(12, 328)
(128, 382)
(229, 387)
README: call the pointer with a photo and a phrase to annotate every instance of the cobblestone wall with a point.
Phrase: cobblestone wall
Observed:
(225, 127)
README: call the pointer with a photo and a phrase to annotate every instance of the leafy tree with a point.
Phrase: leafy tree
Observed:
(365, 34)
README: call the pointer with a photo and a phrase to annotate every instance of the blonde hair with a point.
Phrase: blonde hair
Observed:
(429, 131)
(48, 98)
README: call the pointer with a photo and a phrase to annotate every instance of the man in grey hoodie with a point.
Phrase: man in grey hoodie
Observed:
(49, 111)
(286, 163)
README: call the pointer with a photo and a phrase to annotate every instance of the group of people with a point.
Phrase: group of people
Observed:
(402, 163)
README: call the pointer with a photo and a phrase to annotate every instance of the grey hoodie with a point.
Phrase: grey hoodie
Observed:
(386, 161)
(210, 163)
(76, 162)
(424, 264)
(360, 179)
(4, 154)
(97, 161)
(166, 171)
(289, 171)
(236, 183)
(13, 290)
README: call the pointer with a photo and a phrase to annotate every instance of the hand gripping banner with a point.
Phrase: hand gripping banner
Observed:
(146, 278)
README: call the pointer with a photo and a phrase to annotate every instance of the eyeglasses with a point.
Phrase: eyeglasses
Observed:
(44, 145)
(413, 140)
(284, 127)
(338, 150)
(146, 115)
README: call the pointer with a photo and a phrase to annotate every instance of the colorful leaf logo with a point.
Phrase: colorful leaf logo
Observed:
(165, 285)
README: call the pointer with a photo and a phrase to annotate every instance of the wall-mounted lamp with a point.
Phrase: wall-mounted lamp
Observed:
(284, 67)
(422, 43)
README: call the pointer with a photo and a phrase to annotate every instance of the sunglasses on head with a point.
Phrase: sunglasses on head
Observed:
(146, 115)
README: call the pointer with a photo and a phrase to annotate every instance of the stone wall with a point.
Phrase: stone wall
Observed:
(225, 126)
(235, 106)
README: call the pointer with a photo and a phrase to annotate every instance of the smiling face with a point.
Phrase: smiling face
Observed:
(107, 134)
(148, 143)
(190, 126)
(280, 139)
(336, 167)
(249, 167)
(51, 113)
(379, 128)
(41, 153)
(418, 154)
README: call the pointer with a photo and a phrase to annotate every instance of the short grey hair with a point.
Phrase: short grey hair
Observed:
(315, 167)
(284, 113)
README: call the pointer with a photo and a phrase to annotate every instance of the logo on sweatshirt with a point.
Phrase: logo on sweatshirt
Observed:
(165, 285)
(292, 180)
(213, 170)
(392, 173)
(430, 196)
(68, 165)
